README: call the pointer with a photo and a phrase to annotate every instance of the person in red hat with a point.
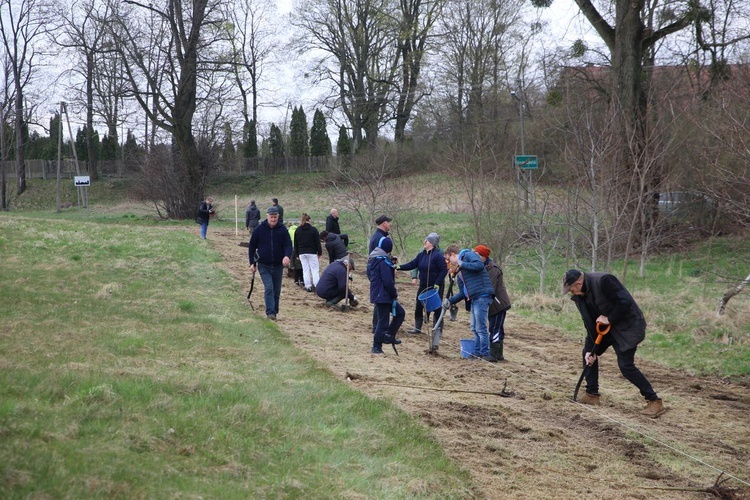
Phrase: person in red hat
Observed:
(498, 307)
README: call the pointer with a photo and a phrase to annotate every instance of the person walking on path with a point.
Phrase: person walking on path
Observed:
(205, 211)
(332, 226)
(473, 285)
(252, 216)
(275, 203)
(498, 307)
(430, 263)
(269, 252)
(307, 247)
(602, 298)
(333, 287)
(384, 297)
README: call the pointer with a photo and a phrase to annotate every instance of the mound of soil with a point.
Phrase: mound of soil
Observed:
(513, 424)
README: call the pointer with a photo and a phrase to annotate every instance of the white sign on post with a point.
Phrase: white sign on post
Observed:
(82, 180)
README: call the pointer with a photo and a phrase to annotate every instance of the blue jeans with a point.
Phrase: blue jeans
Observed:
(204, 229)
(480, 307)
(271, 277)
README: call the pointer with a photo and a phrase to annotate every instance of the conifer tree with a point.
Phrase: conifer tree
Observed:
(250, 140)
(320, 143)
(298, 139)
(344, 144)
(276, 142)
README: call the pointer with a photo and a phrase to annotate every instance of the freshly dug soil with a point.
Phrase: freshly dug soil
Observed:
(513, 424)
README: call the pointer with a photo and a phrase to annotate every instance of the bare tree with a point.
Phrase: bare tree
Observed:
(175, 99)
(22, 24)
(357, 40)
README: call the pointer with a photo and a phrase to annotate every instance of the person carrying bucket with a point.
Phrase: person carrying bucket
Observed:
(432, 271)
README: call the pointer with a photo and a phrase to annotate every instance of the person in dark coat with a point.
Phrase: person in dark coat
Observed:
(333, 284)
(384, 297)
(601, 298)
(498, 307)
(269, 253)
(432, 271)
(275, 203)
(332, 226)
(335, 247)
(383, 224)
(252, 216)
(473, 285)
(205, 211)
(307, 247)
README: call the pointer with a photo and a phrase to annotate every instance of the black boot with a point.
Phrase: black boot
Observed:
(417, 327)
(390, 340)
(436, 339)
(496, 351)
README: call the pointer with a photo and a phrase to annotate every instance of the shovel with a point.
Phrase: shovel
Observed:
(601, 331)
(252, 285)
(346, 306)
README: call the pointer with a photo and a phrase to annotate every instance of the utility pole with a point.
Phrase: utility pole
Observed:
(59, 154)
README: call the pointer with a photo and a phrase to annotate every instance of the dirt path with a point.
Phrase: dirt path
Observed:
(532, 441)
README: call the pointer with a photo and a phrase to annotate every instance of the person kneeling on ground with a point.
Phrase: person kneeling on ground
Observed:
(384, 296)
(332, 285)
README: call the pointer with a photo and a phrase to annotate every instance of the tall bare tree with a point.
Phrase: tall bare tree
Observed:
(22, 24)
(192, 26)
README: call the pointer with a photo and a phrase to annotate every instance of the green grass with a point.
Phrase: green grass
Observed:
(130, 369)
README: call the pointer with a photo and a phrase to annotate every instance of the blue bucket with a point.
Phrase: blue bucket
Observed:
(467, 348)
(430, 299)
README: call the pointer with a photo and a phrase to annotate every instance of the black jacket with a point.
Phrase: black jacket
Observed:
(332, 224)
(605, 295)
(252, 216)
(307, 240)
(336, 248)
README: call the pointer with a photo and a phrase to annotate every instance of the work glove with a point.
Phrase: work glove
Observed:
(436, 287)
(393, 308)
(446, 304)
(398, 268)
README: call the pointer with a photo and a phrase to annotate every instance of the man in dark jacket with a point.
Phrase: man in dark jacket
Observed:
(601, 298)
(384, 297)
(474, 285)
(383, 224)
(269, 253)
(332, 226)
(252, 216)
(332, 285)
(498, 307)
(335, 246)
(275, 203)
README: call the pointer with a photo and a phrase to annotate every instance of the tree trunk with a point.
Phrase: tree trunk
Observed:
(731, 293)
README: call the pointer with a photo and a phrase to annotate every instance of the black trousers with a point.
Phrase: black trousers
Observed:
(626, 363)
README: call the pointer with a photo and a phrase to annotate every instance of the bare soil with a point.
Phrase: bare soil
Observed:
(513, 425)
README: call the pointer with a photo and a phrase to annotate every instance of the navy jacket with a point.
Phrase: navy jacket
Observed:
(375, 239)
(433, 260)
(271, 243)
(473, 279)
(252, 216)
(332, 283)
(382, 276)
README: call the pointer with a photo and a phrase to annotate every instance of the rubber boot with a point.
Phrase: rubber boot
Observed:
(436, 339)
(453, 313)
(417, 328)
(496, 351)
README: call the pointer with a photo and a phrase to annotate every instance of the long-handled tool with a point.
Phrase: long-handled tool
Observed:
(249, 293)
(345, 307)
(601, 331)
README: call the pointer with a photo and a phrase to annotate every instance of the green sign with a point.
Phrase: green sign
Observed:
(526, 162)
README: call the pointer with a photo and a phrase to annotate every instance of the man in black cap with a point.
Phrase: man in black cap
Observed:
(383, 224)
(269, 252)
(601, 298)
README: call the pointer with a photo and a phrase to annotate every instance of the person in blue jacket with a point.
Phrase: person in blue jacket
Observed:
(432, 271)
(474, 285)
(383, 296)
(269, 253)
(332, 285)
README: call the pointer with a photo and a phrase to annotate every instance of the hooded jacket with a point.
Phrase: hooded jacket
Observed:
(252, 216)
(335, 246)
(605, 295)
(473, 279)
(307, 240)
(271, 243)
(382, 276)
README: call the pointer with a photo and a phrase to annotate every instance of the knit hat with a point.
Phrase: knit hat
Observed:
(483, 250)
(571, 276)
(434, 239)
(386, 244)
(272, 210)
